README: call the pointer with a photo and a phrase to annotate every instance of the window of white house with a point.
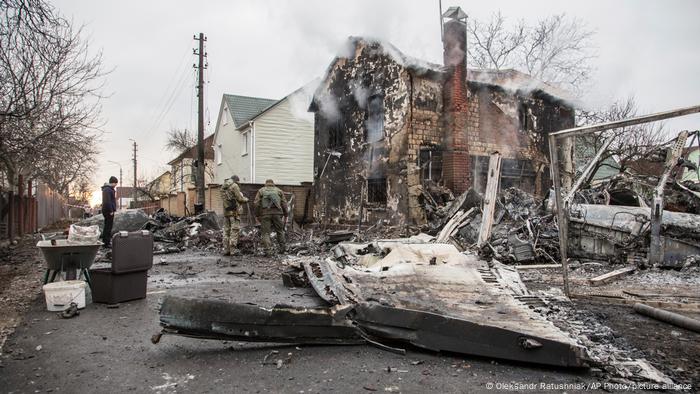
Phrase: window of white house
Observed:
(244, 143)
(225, 117)
(217, 154)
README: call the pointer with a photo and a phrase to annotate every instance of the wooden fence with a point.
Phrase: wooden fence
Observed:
(182, 203)
(31, 207)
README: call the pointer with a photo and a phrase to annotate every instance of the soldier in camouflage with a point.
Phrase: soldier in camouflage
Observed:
(232, 198)
(271, 210)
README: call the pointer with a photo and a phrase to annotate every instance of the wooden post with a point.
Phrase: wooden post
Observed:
(35, 215)
(11, 213)
(30, 208)
(489, 206)
(20, 205)
(562, 211)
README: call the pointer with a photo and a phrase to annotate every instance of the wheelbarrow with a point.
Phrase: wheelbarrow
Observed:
(62, 255)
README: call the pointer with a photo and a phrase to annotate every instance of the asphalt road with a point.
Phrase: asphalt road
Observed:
(109, 350)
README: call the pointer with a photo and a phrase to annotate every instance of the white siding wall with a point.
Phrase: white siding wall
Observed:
(232, 162)
(284, 145)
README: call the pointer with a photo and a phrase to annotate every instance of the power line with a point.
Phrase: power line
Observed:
(175, 77)
(172, 99)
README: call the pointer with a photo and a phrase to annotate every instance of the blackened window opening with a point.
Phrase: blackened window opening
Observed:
(336, 136)
(376, 191)
(375, 119)
(514, 173)
(523, 117)
(430, 162)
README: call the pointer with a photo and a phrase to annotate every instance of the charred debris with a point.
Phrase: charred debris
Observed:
(432, 182)
(452, 283)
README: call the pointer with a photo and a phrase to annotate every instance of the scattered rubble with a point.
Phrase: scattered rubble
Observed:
(124, 220)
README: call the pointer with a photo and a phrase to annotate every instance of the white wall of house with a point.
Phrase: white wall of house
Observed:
(228, 148)
(284, 145)
(278, 144)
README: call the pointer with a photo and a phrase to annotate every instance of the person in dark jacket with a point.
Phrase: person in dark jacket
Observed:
(109, 206)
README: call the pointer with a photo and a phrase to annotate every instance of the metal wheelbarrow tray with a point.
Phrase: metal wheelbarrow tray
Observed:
(65, 256)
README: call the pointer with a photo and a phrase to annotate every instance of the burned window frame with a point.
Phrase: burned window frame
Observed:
(524, 123)
(433, 167)
(374, 120)
(377, 191)
(519, 173)
(336, 135)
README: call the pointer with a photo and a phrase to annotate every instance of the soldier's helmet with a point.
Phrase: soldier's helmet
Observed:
(235, 178)
(269, 182)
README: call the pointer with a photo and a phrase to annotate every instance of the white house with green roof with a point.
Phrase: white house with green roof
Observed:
(258, 139)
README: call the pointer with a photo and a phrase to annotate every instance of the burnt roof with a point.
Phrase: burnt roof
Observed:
(516, 81)
(508, 79)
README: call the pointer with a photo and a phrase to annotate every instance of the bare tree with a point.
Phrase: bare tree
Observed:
(557, 49)
(179, 140)
(81, 190)
(629, 144)
(493, 45)
(49, 95)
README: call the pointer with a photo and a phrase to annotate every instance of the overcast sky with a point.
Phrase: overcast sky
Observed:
(270, 48)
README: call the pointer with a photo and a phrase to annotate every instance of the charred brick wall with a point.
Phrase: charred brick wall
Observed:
(425, 132)
(516, 124)
(341, 182)
(421, 109)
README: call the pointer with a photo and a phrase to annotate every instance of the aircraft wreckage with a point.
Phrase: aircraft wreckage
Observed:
(386, 292)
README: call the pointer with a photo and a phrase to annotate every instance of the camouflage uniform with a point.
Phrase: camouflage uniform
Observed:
(230, 194)
(271, 217)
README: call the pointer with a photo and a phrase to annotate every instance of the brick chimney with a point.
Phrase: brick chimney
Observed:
(456, 163)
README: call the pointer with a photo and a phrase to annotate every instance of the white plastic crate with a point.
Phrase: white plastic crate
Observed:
(59, 295)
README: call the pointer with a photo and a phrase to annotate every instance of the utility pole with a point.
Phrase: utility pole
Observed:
(134, 191)
(199, 180)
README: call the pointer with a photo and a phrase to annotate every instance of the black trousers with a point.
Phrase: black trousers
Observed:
(107, 229)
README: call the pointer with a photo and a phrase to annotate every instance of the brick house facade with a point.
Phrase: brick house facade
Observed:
(385, 124)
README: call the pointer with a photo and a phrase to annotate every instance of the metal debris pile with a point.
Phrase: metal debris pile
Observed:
(201, 231)
(525, 231)
(522, 230)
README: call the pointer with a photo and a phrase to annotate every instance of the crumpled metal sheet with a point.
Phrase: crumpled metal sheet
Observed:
(258, 311)
(434, 297)
(427, 295)
(608, 231)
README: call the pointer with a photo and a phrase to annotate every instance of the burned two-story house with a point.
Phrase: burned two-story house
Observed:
(386, 124)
